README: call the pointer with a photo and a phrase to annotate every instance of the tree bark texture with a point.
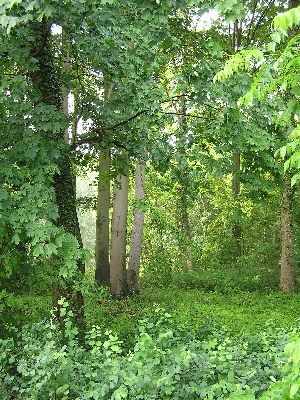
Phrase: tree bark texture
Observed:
(102, 273)
(137, 230)
(287, 280)
(118, 278)
(47, 83)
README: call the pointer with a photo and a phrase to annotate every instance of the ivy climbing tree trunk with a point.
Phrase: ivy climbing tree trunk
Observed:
(118, 275)
(46, 80)
(287, 280)
(137, 230)
(64, 88)
(102, 273)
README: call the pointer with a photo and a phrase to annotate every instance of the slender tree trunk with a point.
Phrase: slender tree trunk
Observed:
(184, 223)
(137, 230)
(118, 278)
(287, 280)
(47, 83)
(102, 273)
(236, 162)
(64, 90)
(236, 190)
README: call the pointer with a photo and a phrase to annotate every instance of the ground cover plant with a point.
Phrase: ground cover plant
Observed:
(45, 361)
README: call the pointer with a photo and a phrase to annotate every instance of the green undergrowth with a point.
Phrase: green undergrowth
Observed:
(242, 312)
(194, 308)
(45, 361)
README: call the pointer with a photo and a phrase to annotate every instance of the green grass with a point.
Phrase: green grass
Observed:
(241, 312)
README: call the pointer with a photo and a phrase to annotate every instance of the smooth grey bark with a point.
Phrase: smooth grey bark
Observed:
(102, 273)
(118, 278)
(137, 230)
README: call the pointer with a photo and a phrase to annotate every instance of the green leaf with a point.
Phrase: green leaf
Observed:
(282, 152)
(294, 389)
(294, 179)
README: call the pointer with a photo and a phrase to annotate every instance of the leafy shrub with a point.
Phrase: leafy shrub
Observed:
(46, 362)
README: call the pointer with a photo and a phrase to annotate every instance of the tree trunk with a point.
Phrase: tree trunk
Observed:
(236, 163)
(64, 89)
(236, 190)
(183, 167)
(185, 225)
(102, 273)
(47, 83)
(118, 278)
(137, 230)
(287, 281)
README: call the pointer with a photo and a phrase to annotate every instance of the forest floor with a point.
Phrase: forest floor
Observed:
(193, 308)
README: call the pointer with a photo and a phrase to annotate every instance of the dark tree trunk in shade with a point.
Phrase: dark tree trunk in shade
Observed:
(287, 280)
(47, 83)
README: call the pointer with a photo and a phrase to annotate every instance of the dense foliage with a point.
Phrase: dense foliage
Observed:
(149, 155)
(159, 363)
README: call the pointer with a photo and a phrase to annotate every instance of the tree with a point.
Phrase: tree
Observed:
(118, 275)
(102, 273)
(137, 229)
(275, 79)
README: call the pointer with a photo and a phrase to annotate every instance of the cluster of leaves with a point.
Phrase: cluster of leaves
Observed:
(43, 362)
(276, 73)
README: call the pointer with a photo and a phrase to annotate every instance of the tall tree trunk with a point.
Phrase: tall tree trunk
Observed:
(64, 89)
(236, 162)
(236, 190)
(47, 83)
(102, 273)
(137, 230)
(185, 225)
(183, 220)
(287, 280)
(118, 278)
